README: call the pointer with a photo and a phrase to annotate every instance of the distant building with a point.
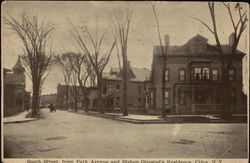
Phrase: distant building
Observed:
(194, 78)
(113, 88)
(48, 99)
(16, 99)
(64, 90)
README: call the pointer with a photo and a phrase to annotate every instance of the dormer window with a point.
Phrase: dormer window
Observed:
(198, 48)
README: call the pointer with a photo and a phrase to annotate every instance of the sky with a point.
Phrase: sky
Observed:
(175, 19)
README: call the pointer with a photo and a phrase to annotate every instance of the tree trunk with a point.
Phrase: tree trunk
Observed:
(76, 101)
(163, 112)
(86, 99)
(67, 96)
(226, 112)
(35, 99)
(100, 86)
(125, 80)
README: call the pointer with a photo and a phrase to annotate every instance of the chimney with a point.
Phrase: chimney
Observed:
(231, 39)
(167, 40)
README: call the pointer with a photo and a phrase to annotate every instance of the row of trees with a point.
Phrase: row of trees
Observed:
(89, 64)
(84, 68)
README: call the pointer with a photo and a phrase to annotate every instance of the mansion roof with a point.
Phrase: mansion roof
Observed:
(195, 41)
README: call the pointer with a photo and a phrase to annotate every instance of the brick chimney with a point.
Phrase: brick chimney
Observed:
(167, 40)
(231, 39)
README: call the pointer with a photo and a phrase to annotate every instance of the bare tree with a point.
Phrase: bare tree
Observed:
(65, 66)
(96, 57)
(83, 69)
(238, 27)
(37, 50)
(121, 25)
(164, 56)
(74, 91)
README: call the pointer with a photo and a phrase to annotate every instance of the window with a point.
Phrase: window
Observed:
(182, 98)
(109, 87)
(231, 74)
(182, 75)
(151, 98)
(139, 89)
(19, 92)
(167, 75)
(201, 73)
(139, 99)
(197, 73)
(167, 97)
(117, 101)
(214, 74)
(117, 87)
(198, 48)
(205, 73)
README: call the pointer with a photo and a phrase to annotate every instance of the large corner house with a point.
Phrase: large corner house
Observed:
(16, 99)
(194, 78)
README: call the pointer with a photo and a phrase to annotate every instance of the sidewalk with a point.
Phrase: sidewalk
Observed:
(19, 118)
(151, 119)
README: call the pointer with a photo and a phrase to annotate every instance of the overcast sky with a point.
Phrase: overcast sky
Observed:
(175, 20)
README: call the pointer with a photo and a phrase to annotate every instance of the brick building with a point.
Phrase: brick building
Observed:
(16, 99)
(194, 78)
(47, 99)
(113, 87)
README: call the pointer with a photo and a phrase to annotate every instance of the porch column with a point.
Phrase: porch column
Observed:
(193, 106)
(176, 104)
(213, 102)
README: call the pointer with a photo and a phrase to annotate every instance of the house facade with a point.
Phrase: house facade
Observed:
(193, 78)
(113, 88)
(16, 98)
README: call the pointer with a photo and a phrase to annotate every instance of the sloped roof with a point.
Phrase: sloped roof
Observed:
(108, 76)
(198, 37)
(14, 79)
(140, 74)
(184, 49)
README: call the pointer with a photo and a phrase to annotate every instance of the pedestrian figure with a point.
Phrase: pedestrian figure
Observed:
(51, 107)
(54, 107)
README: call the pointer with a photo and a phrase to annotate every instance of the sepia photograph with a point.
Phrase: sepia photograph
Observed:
(124, 80)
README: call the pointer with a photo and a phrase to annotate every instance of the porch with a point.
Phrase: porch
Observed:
(202, 99)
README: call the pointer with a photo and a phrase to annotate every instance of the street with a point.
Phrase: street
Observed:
(69, 135)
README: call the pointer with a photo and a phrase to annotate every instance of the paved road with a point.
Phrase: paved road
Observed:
(70, 135)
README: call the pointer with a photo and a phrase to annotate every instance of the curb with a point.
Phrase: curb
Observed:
(169, 121)
(22, 121)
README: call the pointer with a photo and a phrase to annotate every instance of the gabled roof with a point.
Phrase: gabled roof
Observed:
(138, 74)
(198, 37)
(184, 49)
